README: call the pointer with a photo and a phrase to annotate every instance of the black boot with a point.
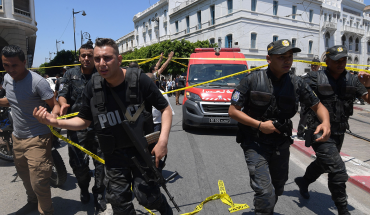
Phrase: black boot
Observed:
(303, 186)
(28, 208)
(342, 208)
(99, 202)
(84, 195)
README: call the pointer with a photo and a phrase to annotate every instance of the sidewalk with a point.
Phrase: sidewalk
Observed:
(355, 152)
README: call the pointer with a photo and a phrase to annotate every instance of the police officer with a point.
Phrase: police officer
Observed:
(337, 89)
(100, 105)
(70, 100)
(270, 99)
(303, 112)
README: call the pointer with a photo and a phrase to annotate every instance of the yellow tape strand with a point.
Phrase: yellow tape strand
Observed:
(224, 197)
(76, 145)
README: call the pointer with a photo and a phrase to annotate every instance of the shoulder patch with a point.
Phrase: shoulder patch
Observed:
(236, 96)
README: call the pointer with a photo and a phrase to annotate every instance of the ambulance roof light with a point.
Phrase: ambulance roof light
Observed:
(198, 50)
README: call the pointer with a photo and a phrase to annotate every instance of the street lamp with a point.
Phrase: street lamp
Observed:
(74, 28)
(50, 55)
(56, 43)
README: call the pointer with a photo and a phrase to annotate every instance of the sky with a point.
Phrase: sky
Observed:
(107, 18)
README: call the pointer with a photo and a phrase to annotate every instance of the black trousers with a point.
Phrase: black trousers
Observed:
(328, 160)
(121, 174)
(79, 161)
(268, 173)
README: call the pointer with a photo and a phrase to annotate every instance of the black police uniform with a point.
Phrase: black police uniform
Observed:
(115, 143)
(264, 98)
(74, 82)
(337, 96)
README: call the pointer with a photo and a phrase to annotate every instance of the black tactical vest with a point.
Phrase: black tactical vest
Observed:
(340, 106)
(108, 139)
(264, 105)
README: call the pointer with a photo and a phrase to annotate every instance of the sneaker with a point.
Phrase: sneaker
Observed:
(300, 137)
(28, 208)
(100, 203)
(84, 196)
(303, 187)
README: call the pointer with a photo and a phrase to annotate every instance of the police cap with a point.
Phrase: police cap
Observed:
(281, 47)
(337, 52)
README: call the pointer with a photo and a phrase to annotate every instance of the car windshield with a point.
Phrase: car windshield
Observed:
(199, 73)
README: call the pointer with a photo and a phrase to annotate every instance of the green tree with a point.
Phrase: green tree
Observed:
(62, 58)
(182, 49)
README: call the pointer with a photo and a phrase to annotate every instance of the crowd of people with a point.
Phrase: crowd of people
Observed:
(106, 95)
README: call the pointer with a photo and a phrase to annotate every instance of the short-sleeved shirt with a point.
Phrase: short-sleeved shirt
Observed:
(157, 115)
(74, 82)
(169, 83)
(336, 83)
(241, 95)
(151, 95)
(24, 96)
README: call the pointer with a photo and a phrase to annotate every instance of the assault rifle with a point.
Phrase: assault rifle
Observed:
(141, 145)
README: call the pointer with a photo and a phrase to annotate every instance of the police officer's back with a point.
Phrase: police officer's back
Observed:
(270, 99)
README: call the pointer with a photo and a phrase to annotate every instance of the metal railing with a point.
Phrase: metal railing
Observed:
(19, 11)
(330, 25)
(354, 30)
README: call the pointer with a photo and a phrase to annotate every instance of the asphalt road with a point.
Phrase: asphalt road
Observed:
(202, 157)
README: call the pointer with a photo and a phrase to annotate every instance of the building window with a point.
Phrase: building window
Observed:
(275, 38)
(253, 40)
(294, 11)
(350, 43)
(229, 41)
(199, 15)
(144, 37)
(350, 23)
(254, 5)
(356, 61)
(349, 61)
(368, 61)
(327, 38)
(325, 17)
(1, 4)
(275, 9)
(329, 17)
(149, 23)
(310, 47)
(357, 24)
(21, 7)
(311, 15)
(368, 47)
(177, 26)
(212, 9)
(187, 24)
(229, 6)
(212, 41)
(357, 44)
(165, 13)
(165, 30)
(150, 37)
(294, 42)
(344, 40)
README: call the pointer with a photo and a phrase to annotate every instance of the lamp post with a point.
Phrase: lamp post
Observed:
(56, 43)
(74, 28)
(50, 55)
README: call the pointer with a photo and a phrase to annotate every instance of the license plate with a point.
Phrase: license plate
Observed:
(219, 120)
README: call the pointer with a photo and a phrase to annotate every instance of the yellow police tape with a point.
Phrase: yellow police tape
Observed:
(76, 145)
(224, 197)
(324, 64)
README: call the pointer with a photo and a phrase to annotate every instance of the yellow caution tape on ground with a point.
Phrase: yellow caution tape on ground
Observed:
(76, 145)
(224, 197)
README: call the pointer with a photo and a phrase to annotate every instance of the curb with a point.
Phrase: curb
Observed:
(361, 181)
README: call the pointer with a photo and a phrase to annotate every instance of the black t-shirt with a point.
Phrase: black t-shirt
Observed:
(151, 95)
(304, 92)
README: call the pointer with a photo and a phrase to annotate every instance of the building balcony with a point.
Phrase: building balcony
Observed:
(165, 20)
(330, 26)
(144, 30)
(352, 30)
(155, 24)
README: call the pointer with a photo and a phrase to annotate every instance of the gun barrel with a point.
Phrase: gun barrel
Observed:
(171, 198)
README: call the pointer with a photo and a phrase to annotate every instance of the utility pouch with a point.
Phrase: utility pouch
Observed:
(107, 143)
(239, 136)
(308, 133)
(284, 126)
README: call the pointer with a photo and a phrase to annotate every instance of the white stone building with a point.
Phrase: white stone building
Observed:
(18, 26)
(251, 25)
